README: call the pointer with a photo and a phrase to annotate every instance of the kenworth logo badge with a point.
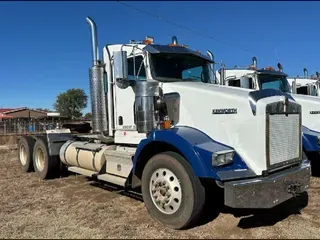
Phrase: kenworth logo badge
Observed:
(225, 111)
(314, 112)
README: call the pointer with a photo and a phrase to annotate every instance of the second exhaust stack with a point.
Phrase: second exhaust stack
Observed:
(305, 71)
(254, 62)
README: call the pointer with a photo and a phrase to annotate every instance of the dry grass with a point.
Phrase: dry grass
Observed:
(73, 208)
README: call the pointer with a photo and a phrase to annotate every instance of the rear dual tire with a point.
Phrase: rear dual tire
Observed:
(25, 153)
(45, 166)
(172, 194)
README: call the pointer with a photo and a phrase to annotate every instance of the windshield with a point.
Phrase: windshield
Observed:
(179, 67)
(303, 90)
(273, 82)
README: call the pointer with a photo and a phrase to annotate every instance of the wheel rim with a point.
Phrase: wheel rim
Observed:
(165, 191)
(23, 155)
(40, 159)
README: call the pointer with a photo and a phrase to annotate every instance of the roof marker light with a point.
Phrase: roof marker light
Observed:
(148, 40)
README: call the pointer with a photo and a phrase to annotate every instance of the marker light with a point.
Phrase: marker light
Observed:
(166, 124)
(148, 40)
(269, 68)
(252, 67)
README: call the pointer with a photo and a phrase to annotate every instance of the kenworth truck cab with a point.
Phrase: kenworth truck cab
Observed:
(269, 78)
(305, 85)
(159, 126)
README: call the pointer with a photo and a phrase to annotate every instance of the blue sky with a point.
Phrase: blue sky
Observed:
(45, 46)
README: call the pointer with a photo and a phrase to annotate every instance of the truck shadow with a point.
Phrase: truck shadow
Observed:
(118, 190)
(269, 217)
(249, 218)
(252, 218)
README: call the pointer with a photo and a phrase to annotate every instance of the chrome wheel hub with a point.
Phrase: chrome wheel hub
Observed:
(165, 191)
(40, 159)
(23, 155)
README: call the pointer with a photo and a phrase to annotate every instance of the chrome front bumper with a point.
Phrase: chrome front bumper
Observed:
(267, 192)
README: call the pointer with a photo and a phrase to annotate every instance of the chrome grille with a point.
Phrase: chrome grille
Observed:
(283, 135)
(284, 138)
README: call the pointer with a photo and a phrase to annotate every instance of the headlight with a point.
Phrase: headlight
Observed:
(222, 157)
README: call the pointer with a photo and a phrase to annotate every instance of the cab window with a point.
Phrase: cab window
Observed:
(134, 68)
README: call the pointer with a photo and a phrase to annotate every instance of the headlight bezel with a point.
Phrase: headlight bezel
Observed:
(223, 158)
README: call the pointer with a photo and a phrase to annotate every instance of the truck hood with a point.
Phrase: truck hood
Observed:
(310, 110)
(242, 130)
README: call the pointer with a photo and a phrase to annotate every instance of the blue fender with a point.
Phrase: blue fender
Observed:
(197, 148)
(310, 140)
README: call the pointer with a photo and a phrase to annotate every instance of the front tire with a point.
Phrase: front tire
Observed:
(46, 166)
(172, 194)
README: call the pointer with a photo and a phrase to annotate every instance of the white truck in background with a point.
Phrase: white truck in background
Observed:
(305, 85)
(268, 78)
(157, 127)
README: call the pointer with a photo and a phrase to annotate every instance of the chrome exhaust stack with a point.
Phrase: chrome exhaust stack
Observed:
(254, 62)
(174, 40)
(305, 71)
(96, 76)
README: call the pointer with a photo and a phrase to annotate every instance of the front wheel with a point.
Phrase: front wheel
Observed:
(172, 194)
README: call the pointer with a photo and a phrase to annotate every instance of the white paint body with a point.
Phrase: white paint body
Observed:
(242, 131)
(301, 81)
(304, 83)
(308, 103)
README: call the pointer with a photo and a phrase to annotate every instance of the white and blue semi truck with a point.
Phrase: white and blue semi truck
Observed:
(156, 129)
(268, 78)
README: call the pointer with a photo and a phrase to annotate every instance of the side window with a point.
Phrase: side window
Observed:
(302, 90)
(138, 65)
(234, 83)
(250, 83)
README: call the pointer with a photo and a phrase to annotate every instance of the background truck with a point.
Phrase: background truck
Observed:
(268, 78)
(176, 137)
(305, 85)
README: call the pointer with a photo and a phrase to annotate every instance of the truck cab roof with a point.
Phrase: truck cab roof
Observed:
(158, 48)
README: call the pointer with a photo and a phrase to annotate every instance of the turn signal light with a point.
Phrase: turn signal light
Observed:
(166, 124)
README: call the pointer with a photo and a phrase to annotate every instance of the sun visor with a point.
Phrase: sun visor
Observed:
(156, 49)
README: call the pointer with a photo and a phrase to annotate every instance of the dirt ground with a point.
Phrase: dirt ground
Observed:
(73, 207)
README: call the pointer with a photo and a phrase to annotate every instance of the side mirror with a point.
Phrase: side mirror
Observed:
(120, 69)
(310, 89)
(244, 82)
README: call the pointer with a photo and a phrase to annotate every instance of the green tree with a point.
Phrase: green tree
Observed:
(71, 103)
(88, 115)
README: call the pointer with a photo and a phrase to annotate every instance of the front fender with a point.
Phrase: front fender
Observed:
(310, 140)
(196, 147)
